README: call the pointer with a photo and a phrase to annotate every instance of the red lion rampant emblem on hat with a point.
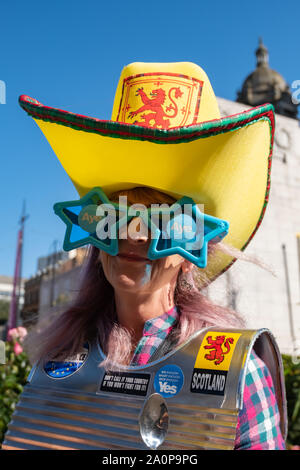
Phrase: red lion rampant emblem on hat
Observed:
(157, 115)
(217, 353)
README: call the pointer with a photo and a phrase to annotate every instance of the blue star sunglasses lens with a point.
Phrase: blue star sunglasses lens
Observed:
(180, 229)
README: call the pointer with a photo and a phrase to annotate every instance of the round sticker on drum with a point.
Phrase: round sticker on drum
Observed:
(62, 369)
(168, 381)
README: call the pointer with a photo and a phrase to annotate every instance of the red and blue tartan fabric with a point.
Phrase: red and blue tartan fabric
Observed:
(155, 332)
(259, 420)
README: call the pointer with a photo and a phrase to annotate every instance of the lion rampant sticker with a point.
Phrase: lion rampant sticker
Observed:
(219, 347)
(212, 362)
(160, 100)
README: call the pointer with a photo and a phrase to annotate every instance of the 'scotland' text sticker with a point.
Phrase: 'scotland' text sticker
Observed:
(212, 363)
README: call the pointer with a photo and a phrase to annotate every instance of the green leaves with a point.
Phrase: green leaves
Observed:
(292, 384)
(13, 375)
(4, 311)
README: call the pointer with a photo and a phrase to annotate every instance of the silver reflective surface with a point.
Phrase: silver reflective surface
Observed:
(75, 413)
(154, 421)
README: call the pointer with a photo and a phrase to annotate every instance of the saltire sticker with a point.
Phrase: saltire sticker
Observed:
(212, 362)
(63, 369)
(128, 383)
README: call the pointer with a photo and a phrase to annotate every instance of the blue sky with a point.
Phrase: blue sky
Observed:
(69, 54)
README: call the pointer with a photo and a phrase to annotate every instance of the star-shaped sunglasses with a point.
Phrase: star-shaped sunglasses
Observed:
(181, 229)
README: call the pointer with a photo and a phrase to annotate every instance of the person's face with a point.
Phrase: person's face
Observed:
(131, 270)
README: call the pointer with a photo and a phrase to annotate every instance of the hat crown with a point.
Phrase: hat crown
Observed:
(164, 95)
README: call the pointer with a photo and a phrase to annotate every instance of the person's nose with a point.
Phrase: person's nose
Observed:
(137, 232)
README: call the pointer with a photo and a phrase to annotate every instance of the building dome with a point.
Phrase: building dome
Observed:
(265, 85)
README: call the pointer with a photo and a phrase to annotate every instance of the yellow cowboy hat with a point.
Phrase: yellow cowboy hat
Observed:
(166, 133)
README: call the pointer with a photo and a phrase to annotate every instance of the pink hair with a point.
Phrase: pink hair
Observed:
(92, 315)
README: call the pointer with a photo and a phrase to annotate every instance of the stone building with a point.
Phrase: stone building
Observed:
(53, 286)
(265, 85)
(60, 283)
(6, 289)
(30, 310)
(266, 300)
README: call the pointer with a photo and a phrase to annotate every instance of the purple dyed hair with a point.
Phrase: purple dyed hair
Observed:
(93, 315)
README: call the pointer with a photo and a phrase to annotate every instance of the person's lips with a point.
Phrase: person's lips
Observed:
(132, 257)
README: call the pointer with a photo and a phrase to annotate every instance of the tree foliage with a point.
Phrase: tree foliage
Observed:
(292, 386)
(13, 375)
(4, 311)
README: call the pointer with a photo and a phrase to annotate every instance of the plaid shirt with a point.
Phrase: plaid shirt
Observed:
(155, 332)
(258, 422)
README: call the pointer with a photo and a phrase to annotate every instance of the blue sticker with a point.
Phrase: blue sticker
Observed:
(182, 228)
(168, 381)
(62, 369)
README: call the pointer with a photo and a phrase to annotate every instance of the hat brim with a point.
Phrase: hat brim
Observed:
(224, 164)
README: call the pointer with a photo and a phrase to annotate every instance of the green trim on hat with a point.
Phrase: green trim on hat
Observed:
(131, 131)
